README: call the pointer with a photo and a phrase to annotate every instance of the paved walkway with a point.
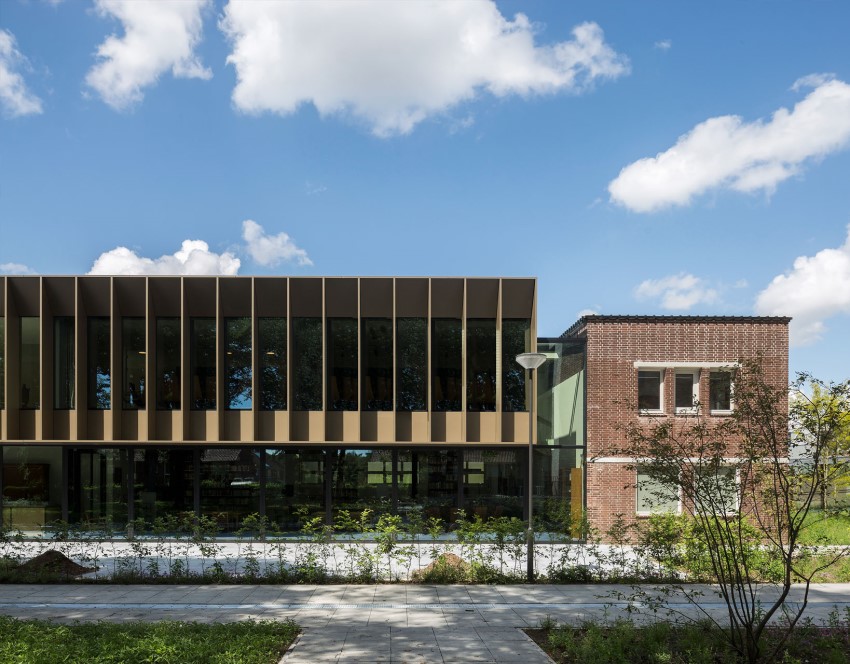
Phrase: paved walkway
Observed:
(375, 623)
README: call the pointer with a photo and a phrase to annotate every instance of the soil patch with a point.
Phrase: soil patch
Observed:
(53, 563)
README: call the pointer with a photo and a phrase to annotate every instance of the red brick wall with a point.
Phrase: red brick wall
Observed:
(612, 349)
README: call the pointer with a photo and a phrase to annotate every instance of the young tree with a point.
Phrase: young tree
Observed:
(748, 482)
(826, 407)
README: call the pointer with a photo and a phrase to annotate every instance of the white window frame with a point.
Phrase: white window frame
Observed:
(695, 375)
(720, 411)
(653, 411)
(644, 512)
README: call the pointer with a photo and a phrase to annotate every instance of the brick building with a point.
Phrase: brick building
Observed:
(645, 368)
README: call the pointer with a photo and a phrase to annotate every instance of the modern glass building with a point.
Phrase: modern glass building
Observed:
(139, 398)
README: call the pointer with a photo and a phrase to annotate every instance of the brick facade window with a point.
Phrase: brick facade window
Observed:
(720, 392)
(653, 497)
(651, 391)
(687, 392)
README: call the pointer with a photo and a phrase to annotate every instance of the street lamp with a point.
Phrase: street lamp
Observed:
(530, 362)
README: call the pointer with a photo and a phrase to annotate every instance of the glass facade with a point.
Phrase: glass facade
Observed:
(202, 363)
(230, 485)
(98, 358)
(168, 363)
(428, 483)
(377, 363)
(271, 339)
(558, 487)
(307, 363)
(516, 339)
(412, 363)
(493, 483)
(481, 364)
(342, 364)
(30, 363)
(295, 487)
(163, 485)
(361, 480)
(237, 363)
(133, 363)
(64, 364)
(560, 394)
(98, 480)
(32, 486)
(446, 364)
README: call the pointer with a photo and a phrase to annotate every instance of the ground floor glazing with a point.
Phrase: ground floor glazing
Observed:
(157, 488)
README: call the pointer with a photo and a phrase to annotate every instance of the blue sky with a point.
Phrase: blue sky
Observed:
(637, 157)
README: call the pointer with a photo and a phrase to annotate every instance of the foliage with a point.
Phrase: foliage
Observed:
(25, 642)
(747, 500)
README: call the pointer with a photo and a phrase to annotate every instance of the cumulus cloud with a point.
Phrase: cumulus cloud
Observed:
(15, 268)
(816, 288)
(15, 98)
(678, 292)
(159, 35)
(193, 257)
(744, 156)
(394, 64)
(271, 250)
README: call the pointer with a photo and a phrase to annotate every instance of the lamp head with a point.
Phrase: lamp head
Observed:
(530, 360)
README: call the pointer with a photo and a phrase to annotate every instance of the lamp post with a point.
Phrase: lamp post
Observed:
(530, 362)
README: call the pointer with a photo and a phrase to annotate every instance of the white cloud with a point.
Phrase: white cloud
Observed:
(745, 156)
(816, 288)
(663, 44)
(15, 268)
(158, 35)
(587, 312)
(271, 249)
(194, 257)
(15, 98)
(679, 291)
(394, 64)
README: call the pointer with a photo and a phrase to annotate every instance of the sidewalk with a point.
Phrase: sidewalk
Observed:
(374, 623)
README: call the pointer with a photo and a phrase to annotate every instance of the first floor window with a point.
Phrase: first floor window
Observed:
(720, 391)
(687, 395)
(649, 390)
(719, 489)
(655, 496)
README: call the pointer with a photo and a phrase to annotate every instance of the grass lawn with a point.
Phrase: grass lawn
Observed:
(820, 528)
(39, 642)
(661, 643)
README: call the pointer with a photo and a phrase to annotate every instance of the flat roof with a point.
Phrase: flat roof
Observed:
(640, 318)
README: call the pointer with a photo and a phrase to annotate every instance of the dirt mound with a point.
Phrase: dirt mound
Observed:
(53, 563)
(446, 568)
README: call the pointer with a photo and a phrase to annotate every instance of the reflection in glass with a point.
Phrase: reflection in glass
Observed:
(99, 377)
(164, 484)
(307, 363)
(133, 369)
(30, 363)
(342, 364)
(428, 483)
(295, 486)
(560, 394)
(412, 363)
(481, 364)
(377, 349)
(202, 363)
(237, 363)
(97, 487)
(559, 489)
(516, 339)
(492, 483)
(63, 362)
(230, 485)
(361, 479)
(32, 486)
(168, 363)
(271, 333)
(446, 357)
